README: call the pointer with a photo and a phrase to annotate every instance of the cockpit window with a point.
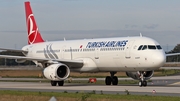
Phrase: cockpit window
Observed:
(140, 47)
(151, 47)
(145, 47)
(158, 47)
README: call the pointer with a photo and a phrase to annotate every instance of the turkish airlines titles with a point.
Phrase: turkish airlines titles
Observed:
(107, 44)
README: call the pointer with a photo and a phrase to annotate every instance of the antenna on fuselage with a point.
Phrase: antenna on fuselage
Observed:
(140, 35)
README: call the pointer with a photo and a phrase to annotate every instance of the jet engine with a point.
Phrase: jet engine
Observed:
(57, 72)
(20, 60)
(136, 75)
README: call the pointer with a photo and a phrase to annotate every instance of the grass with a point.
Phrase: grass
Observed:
(103, 82)
(21, 73)
(164, 72)
(100, 82)
(78, 96)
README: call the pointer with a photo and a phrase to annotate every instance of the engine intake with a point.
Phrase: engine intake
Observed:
(136, 75)
(62, 71)
(56, 72)
(20, 60)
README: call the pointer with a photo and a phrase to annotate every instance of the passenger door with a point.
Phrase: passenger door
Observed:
(128, 49)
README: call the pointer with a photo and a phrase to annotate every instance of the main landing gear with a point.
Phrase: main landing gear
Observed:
(142, 81)
(111, 79)
(60, 83)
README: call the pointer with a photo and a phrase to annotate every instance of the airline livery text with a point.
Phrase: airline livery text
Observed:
(107, 44)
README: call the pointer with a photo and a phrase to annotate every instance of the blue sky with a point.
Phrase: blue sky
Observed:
(76, 19)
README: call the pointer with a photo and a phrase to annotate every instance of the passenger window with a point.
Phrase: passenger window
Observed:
(151, 47)
(158, 47)
(145, 47)
(140, 47)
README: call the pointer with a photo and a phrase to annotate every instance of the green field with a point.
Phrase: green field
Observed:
(78, 96)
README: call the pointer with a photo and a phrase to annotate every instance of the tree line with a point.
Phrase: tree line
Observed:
(175, 58)
(12, 62)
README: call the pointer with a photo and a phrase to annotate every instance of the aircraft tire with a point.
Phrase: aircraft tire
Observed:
(53, 83)
(144, 83)
(140, 83)
(108, 80)
(115, 80)
(60, 83)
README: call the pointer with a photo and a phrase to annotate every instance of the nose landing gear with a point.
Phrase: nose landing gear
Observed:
(142, 81)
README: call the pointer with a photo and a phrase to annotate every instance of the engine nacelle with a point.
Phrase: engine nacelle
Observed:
(56, 72)
(20, 61)
(136, 75)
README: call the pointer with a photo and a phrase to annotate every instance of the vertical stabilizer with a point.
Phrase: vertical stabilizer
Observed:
(33, 33)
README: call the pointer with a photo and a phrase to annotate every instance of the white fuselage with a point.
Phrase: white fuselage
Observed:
(105, 54)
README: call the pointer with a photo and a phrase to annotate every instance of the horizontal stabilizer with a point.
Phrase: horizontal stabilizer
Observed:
(70, 63)
(172, 54)
(14, 50)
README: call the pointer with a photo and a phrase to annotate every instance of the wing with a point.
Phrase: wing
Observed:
(172, 54)
(70, 63)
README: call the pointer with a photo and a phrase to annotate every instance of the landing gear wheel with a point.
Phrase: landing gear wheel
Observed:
(60, 83)
(144, 83)
(53, 83)
(108, 80)
(140, 84)
(115, 80)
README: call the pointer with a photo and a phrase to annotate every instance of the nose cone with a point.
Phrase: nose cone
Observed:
(158, 59)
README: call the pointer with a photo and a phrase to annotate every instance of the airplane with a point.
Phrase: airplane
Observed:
(138, 56)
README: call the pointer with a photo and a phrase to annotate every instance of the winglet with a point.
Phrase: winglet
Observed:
(33, 33)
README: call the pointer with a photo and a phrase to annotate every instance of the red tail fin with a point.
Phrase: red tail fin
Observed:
(33, 33)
